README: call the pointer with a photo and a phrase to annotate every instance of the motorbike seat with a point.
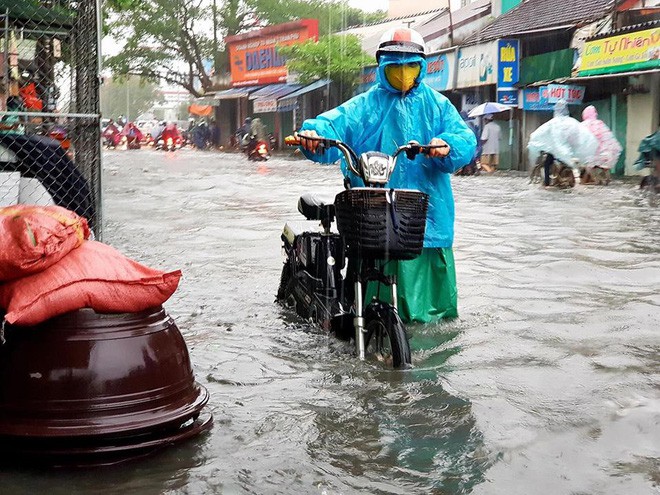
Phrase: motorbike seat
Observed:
(314, 209)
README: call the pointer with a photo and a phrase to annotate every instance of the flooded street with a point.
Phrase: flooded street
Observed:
(547, 383)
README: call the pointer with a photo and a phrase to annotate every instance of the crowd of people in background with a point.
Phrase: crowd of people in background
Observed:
(201, 134)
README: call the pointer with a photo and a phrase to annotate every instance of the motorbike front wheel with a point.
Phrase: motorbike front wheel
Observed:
(385, 336)
(283, 290)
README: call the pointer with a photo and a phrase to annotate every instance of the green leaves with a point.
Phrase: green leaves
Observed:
(178, 40)
(338, 58)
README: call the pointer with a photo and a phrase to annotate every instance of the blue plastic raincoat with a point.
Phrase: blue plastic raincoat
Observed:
(382, 119)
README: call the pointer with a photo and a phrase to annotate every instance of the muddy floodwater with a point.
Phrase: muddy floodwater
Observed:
(547, 383)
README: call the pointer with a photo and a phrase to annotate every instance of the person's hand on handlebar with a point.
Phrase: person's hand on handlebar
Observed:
(439, 152)
(309, 144)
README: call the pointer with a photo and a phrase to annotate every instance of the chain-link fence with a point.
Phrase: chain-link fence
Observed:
(50, 143)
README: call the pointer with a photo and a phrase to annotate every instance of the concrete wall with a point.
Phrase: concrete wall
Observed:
(643, 118)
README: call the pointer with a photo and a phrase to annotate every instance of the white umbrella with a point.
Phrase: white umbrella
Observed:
(491, 107)
(488, 108)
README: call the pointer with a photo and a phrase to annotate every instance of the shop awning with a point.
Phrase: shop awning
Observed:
(233, 93)
(200, 110)
(288, 102)
(274, 91)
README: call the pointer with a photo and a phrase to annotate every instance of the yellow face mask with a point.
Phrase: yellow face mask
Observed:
(402, 76)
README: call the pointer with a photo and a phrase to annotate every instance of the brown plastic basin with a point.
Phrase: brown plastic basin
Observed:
(97, 383)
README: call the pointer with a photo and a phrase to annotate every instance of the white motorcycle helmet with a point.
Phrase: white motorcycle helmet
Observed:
(401, 40)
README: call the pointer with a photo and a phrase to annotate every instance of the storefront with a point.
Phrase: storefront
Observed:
(307, 102)
(259, 74)
(490, 72)
(627, 63)
(618, 73)
(265, 106)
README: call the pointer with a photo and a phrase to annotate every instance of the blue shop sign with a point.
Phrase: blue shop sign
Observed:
(507, 96)
(536, 100)
(508, 63)
(438, 71)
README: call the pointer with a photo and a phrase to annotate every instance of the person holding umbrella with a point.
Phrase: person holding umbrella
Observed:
(490, 141)
(490, 134)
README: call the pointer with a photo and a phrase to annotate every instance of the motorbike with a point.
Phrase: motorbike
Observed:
(562, 175)
(598, 176)
(111, 138)
(256, 150)
(168, 144)
(649, 157)
(375, 224)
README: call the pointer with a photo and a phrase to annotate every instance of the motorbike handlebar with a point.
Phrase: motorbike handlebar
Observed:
(412, 149)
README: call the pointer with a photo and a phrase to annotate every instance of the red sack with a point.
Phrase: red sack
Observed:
(32, 238)
(93, 276)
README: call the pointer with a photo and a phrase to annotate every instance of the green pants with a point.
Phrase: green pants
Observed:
(426, 286)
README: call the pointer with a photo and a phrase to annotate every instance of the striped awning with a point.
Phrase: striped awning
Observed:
(288, 102)
(233, 93)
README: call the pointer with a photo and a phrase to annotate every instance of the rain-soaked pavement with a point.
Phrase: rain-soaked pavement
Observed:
(546, 384)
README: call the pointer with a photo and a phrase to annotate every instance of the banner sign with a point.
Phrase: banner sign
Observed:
(254, 56)
(572, 94)
(475, 65)
(536, 100)
(265, 105)
(440, 70)
(632, 51)
(508, 63)
(508, 71)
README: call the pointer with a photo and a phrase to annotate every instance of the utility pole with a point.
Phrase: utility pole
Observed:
(127, 99)
(216, 69)
(451, 27)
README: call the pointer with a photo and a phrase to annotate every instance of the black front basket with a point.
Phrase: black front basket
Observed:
(382, 223)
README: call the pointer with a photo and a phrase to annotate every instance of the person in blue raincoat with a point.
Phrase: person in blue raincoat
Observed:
(398, 109)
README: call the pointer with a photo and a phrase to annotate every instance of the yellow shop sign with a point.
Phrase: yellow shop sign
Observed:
(632, 51)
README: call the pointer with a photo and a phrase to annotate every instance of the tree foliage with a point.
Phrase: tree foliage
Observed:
(128, 95)
(333, 15)
(178, 41)
(338, 58)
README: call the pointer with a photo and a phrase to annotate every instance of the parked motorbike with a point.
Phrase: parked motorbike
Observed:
(562, 175)
(375, 224)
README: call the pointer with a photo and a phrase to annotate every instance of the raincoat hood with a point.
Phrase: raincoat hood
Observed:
(609, 149)
(398, 59)
(589, 113)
